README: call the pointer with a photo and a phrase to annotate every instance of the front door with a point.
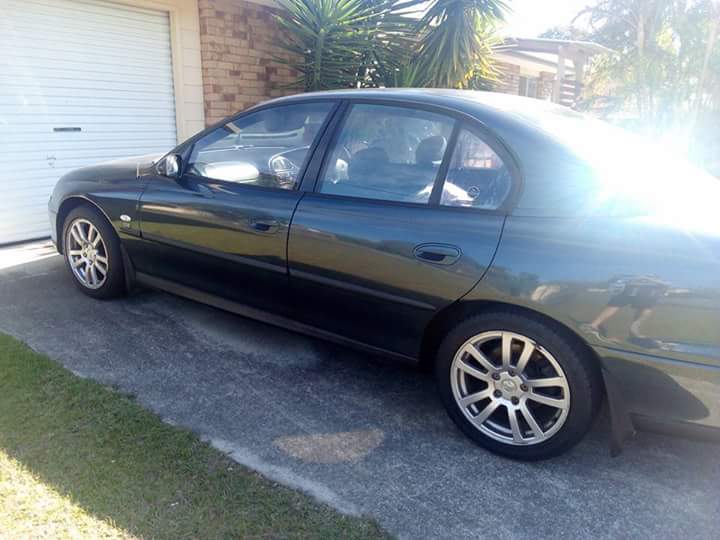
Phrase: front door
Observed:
(404, 220)
(222, 227)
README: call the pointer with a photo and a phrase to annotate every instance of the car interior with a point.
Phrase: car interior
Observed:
(391, 157)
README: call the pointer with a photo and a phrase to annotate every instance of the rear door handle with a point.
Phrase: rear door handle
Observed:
(264, 225)
(445, 254)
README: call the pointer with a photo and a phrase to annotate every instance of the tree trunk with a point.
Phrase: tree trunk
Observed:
(712, 39)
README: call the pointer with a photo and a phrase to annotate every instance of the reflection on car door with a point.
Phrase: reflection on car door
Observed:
(372, 249)
(222, 227)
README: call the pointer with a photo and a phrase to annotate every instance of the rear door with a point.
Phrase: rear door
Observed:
(383, 241)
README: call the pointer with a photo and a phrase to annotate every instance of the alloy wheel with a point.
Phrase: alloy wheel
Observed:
(510, 388)
(87, 254)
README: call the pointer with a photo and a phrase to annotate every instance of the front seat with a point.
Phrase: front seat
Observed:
(365, 164)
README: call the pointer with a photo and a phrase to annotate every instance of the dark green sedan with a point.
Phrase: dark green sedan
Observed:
(539, 261)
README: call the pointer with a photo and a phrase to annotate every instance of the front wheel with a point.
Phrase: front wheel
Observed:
(516, 386)
(92, 253)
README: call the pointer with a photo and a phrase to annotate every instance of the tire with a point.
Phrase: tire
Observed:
(81, 255)
(480, 390)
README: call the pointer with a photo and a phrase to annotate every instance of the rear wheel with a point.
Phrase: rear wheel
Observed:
(92, 253)
(516, 386)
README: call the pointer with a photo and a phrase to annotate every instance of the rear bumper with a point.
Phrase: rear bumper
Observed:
(668, 391)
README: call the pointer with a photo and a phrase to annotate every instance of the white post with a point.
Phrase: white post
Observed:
(560, 75)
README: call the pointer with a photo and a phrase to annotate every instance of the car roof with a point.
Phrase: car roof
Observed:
(517, 122)
(490, 107)
(562, 157)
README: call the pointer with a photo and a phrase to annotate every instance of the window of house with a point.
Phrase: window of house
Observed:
(267, 148)
(387, 153)
(528, 86)
(477, 176)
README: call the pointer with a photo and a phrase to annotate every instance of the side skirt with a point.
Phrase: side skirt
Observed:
(190, 293)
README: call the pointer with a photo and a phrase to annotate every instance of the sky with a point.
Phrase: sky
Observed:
(531, 17)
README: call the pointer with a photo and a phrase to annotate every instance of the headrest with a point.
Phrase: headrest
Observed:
(430, 150)
(375, 154)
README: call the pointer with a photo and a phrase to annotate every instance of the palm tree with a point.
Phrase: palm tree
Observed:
(457, 39)
(358, 43)
(342, 43)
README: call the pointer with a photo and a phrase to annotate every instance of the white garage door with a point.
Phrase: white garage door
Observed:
(81, 82)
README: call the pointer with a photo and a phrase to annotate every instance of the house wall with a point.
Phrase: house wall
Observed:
(546, 81)
(238, 45)
(508, 78)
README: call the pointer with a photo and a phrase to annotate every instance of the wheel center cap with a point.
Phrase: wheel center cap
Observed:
(509, 386)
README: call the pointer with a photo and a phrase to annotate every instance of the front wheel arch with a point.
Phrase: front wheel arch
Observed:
(67, 206)
(115, 282)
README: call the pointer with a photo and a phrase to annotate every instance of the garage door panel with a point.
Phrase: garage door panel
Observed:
(29, 231)
(95, 155)
(92, 11)
(97, 133)
(158, 107)
(16, 147)
(77, 53)
(75, 76)
(46, 19)
(65, 82)
(41, 167)
(41, 128)
(20, 187)
(23, 200)
(100, 66)
(34, 59)
(39, 25)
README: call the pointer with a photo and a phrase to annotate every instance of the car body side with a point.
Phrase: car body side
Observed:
(564, 266)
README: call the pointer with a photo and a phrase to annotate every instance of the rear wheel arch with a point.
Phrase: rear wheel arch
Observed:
(451, 316)
(516, 385)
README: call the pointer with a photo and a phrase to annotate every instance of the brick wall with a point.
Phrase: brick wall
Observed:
(238, 43)
(508, 78)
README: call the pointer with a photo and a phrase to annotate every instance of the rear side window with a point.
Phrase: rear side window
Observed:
(387, 153)
(477, 176)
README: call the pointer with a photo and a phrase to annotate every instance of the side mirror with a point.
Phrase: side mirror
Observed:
(170, 166)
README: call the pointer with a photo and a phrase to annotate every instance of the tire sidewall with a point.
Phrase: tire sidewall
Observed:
(581, 375)
(115, 281)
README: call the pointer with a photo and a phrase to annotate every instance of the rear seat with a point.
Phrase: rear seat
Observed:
(371, 170)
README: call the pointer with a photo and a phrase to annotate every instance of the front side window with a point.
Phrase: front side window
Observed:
(267, 148)
(387, 153)
(477, 177)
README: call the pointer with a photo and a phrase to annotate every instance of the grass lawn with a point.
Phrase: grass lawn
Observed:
(82, 461)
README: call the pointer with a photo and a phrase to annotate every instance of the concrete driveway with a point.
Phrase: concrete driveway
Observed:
(358, 432)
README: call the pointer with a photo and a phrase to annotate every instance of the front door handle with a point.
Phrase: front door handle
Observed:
(264, 225)
(445, 254)
(205, 191)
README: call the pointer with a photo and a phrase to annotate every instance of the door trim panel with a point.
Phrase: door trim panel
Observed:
(340, 284)
(213, 253)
